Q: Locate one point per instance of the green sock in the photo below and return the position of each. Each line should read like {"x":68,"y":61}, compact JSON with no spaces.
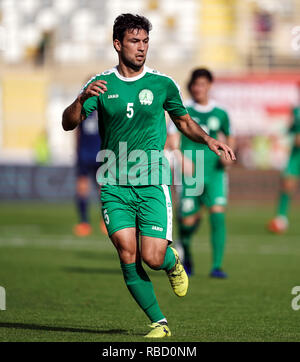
{"x":218,"y":237}
{"x":185,"y":234}
{"x":169,"y":260}
{"x":283,"y":204}
{"x":141,"y":288}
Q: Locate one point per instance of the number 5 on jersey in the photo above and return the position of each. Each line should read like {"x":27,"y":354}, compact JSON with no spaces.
{"x":129,"y":110}
{"x":106,"y":217}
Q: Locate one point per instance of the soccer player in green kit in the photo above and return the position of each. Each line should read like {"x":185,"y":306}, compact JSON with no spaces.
{"x":131,"y":100}
{"x":214,"y":120}
{"x":290,"y":177}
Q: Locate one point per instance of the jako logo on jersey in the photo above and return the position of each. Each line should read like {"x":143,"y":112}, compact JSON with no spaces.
{"x":112,"y":96}
{"x":146,"y":97}
{"x":157,"y":228}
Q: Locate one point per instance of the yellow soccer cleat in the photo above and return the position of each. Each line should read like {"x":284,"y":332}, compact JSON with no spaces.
{"x":160,"y":330}
{"x":178,"y":277}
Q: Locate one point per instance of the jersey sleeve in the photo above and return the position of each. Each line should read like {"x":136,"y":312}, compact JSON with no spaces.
{"x":226,"y":127}
{"x":91,"y":104}
{"x":173,"y":103}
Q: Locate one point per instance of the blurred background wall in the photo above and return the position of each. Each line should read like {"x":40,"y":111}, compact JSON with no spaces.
{"x":48,"y":48}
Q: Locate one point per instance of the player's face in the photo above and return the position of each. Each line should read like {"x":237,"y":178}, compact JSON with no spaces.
{"x":134,"y":47}
{"x":200,"y":89}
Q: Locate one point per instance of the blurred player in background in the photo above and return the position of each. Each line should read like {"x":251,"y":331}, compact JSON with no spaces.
{"x":131,"y":100}
{"x":215,"y":121}
{"x":289,"y":178}
{"x":88,"y":145}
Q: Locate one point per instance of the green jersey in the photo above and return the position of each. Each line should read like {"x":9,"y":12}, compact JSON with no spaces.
{"x":132,"y":126}
{"x":213,"y":120}
{"x":295,"y":127}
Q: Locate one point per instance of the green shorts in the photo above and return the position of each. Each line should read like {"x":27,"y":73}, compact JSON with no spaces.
{"x":293,"y":165}
{"x":147,"y":207}
{"x":214,"y":193}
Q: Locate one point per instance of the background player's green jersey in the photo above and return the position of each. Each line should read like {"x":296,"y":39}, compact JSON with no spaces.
{"x":133,"y":111}
{"x":213,"y":120}
{"x":293,"y":164}
{"x":295,"y":127}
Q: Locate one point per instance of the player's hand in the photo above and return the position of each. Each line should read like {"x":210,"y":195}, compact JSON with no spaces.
{"x":218,"y":146}
{"x":93,"y":89}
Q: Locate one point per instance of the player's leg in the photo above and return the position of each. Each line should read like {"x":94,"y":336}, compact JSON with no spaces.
{"x":120,"y":217}
{"x":216,"y":200}
{"x":187,"y":228}
{"x":155,"y":223}
{"x":159,"y":256}
{"x":135,"y":277}
{"x":288,"y":186}
{"x":218,"y":240}
{"x":280,"y":223}
{"x":83,"y":228}
{"x":188,"y":222}
{"x":93,"y":174}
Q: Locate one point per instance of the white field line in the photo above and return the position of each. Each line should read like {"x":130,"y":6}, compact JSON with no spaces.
{"x":55,"y":242}
{"x":234,"y":246}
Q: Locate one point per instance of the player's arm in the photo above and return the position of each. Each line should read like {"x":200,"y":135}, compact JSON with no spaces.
{"x":193,"y":131}
{"x":73,"y":114}
{"x":297,"y":140}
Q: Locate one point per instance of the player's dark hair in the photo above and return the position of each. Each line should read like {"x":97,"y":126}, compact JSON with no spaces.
{"x":129,"y":22}
{"x":197,"y":73}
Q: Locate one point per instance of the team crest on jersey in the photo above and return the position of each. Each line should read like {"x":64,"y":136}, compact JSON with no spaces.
{"x":213,"y":123}
{"x":146,"y":97}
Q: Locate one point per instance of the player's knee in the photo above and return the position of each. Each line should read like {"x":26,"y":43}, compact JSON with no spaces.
{"x":190,"y":220}
{"x":126,"y":253}
{"x":126,"y":256}
{"x":153,"y":261}
{"x":82,"y":186}
{"x":217,"y":208}
{"x":289,"y":185}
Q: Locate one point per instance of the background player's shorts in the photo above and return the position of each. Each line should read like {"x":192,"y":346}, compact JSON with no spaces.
{"x":86,"y":168}
{"x":214,"y":193}
{"x":148,"y":207}
{"x":293,"y":165}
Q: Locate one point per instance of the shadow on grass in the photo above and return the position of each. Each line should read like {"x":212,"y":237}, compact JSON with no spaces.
{"x":38,"y":327}
{"x":78,"y":269}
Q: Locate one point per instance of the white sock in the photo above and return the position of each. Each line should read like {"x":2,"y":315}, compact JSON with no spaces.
{"x":163,"y":320}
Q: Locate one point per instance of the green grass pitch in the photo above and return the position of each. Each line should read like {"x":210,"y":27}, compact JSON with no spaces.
{"x":63,"y":288}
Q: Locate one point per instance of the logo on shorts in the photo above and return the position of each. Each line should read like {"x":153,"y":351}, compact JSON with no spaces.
{"x":157,"y":228}
{"x":146,"y":97}
{"x":187,"y":205}
{"x":220,"y":200}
